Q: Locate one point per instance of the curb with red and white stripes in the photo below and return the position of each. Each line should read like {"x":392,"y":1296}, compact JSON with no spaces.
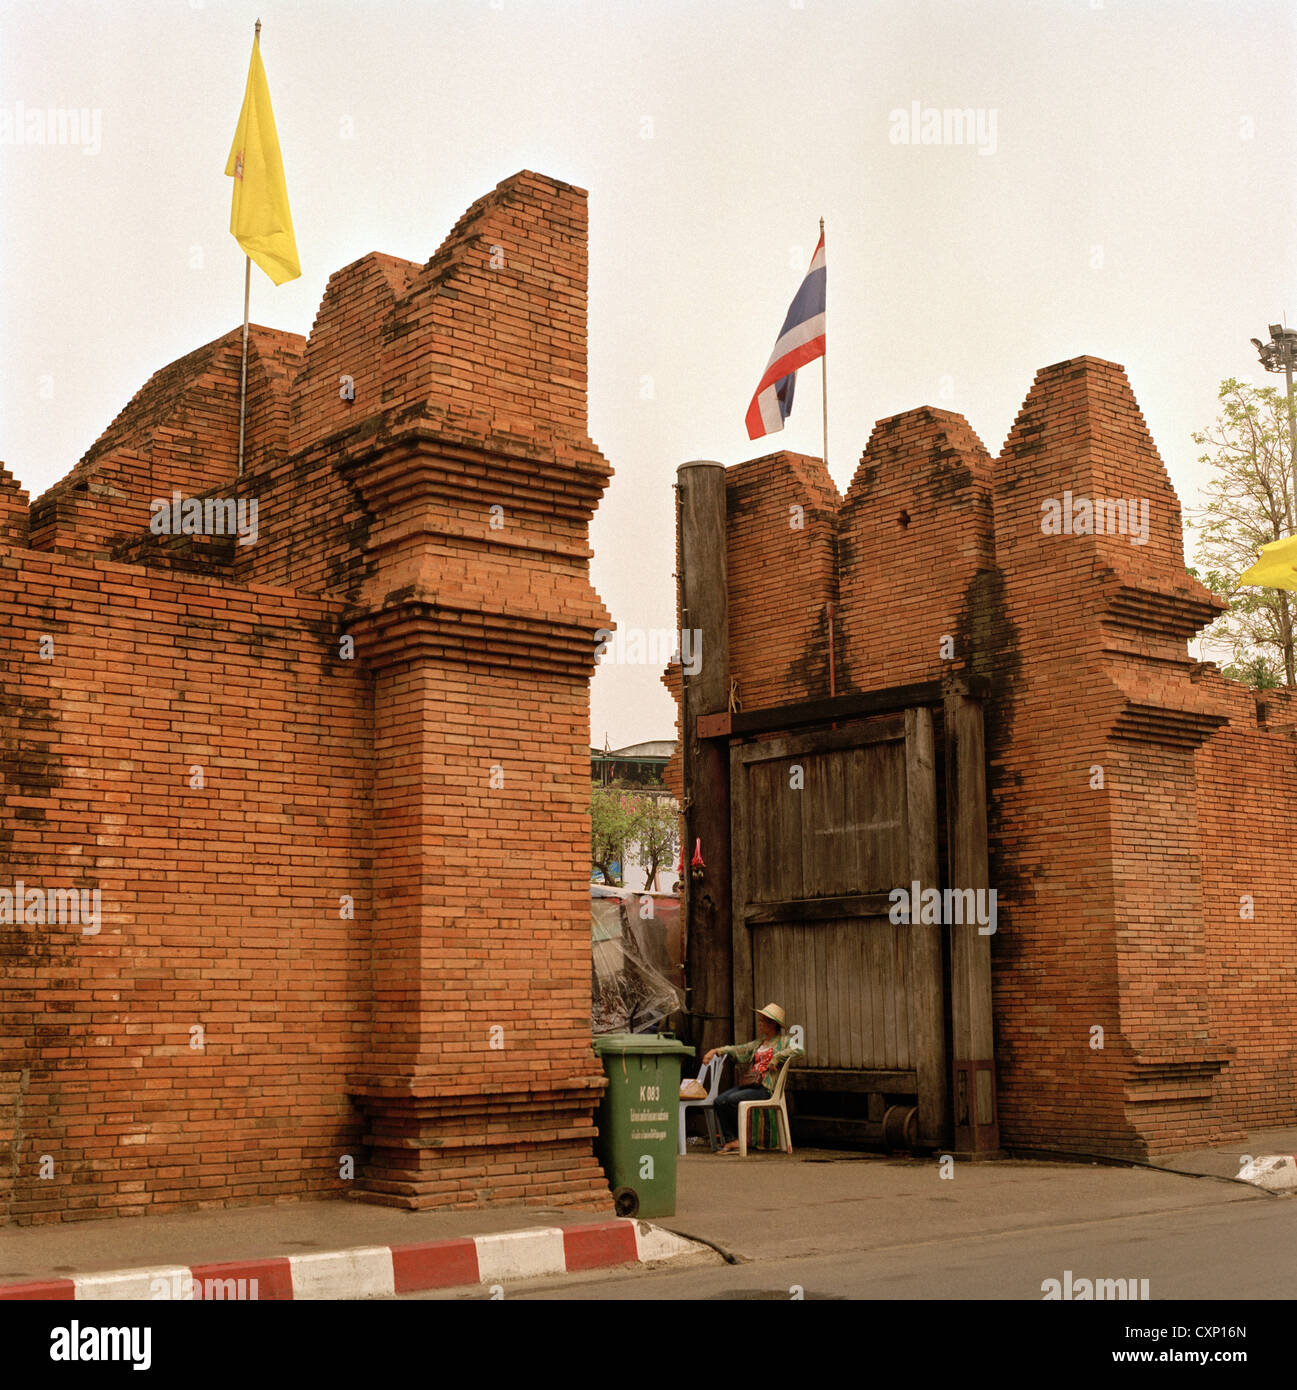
{"x":382,"y":1271}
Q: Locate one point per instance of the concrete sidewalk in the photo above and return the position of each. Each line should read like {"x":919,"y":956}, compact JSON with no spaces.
{"x":1226,"y":1160}
{"x":809,"y":1203}
{"x":813,"y":1201}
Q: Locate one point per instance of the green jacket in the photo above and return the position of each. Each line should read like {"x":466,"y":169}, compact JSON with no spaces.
{"x":743,"y":1053}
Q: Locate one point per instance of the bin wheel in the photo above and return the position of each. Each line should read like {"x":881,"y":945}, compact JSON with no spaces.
{"x":625,"y":1201}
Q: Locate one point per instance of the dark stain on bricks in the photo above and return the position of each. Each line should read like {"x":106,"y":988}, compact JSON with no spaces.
{"x":990,"y":641}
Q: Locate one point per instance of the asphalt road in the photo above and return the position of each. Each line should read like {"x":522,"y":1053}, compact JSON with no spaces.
{"x":1236,"y":1250}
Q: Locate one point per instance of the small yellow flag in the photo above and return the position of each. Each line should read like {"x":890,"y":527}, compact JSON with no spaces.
{"x":1276,"y":566}
{"x":259,"y":217}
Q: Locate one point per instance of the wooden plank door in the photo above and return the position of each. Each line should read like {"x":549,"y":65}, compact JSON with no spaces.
{"x":825,"y":824}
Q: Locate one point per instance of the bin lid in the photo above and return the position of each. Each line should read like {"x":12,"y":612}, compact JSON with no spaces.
{"x":654,"y":1043}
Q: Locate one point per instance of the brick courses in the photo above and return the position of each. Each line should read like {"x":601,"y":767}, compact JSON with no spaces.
{"x":1247,"y":807}
{"x":1119,"y":905}
{"x":327,"y":906}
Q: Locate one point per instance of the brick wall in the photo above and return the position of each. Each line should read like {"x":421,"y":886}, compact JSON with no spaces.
{"x":780,"y":525}
{"x":219,"y":901}
{"x":1124,"y":779}
{"x":386,"y":698}
{"x":180,"y":430}
{"x":914,"y":540}
{"x":1095,"y":845}
{"x":1247,"y":800}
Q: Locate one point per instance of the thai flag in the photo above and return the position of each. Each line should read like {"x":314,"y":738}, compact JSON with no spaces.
{"x":801,"y":340}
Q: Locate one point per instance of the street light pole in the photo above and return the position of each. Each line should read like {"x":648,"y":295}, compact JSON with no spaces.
{"x":1280,"y":355}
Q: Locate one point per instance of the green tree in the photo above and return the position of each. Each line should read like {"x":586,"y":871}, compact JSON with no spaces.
{"x":1260,"y":672}
{"x":1250,"y":503}
{"x":611,"y":823}
{"x":655,"y":833}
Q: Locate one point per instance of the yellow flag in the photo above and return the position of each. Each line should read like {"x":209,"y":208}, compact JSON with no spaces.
{"x":259,"y":217}
{"x":1276,"y":566}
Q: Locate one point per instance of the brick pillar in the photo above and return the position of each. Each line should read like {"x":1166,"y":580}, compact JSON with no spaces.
{"x":1105,"y":1040}
{"x":481,"y":1081}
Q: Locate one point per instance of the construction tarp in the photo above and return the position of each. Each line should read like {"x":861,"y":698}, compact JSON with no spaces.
{"x":637,"y":960}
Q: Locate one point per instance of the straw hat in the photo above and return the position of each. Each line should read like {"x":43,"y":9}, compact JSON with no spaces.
{"x":773,"y":1012}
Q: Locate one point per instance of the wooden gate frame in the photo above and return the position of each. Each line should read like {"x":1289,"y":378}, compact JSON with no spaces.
{"x":973,"y":1093}
{"x":925,"y":982}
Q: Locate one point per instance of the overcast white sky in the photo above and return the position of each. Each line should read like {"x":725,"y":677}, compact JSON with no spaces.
{"x":1138,"y":204}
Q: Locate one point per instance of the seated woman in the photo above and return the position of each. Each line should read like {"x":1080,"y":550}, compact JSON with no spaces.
{"x":756,"y":1063}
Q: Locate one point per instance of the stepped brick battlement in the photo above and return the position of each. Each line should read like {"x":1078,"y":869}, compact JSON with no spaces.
{"x":288,"y":761}
{"x":1138,"y":802}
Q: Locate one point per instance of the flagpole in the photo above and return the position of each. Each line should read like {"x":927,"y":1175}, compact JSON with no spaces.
{"x":247,"y":292}
{"x":243,"y":376}
{"x":824,"y":365}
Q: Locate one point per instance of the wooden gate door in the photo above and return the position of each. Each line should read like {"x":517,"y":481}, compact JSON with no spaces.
{"x":825,"y":824}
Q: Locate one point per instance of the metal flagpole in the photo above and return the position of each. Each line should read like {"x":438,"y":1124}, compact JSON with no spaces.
{"x":824,"y":361}
{"x":247,"y":290}
{"x":243,"y":377}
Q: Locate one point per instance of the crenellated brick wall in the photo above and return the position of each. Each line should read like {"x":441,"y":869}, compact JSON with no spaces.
{"x":914,"y":537}
{"x":293,"y":768}
{"x":1247,"y":800}
{"x":1135,"y":797}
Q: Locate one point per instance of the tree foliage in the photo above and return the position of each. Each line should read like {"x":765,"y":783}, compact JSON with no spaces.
{"x":622,"y":820}
{"x":1251,"y":502}
{"x":656,"y":834}
{"x":611,"y":819}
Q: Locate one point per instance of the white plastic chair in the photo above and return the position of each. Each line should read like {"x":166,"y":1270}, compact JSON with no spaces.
{"x":709,"y":1075}
{"x":776,"y":1103}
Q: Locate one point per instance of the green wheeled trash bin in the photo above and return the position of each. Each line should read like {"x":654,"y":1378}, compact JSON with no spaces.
{"x":637,"y":1120}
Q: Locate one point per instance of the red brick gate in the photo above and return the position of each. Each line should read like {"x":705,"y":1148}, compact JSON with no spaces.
{"x":1138,"y":806}
{"x":292,"y":768}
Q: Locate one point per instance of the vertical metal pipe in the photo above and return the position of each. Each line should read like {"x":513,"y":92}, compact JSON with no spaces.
{"x":243,"y":375}
{"x":824,"y":361}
